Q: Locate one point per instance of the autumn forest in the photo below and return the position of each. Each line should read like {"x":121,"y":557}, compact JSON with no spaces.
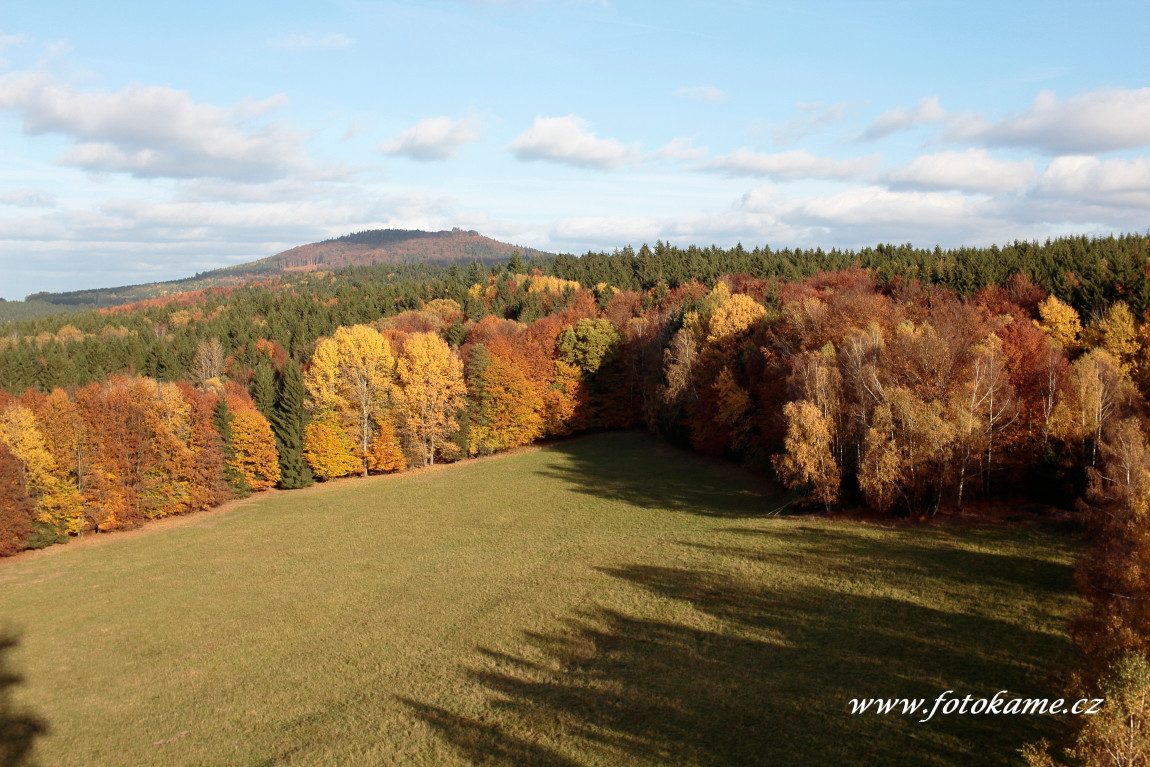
{"x":911,"y":383}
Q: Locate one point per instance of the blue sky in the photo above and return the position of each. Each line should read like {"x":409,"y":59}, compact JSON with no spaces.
{"x":149,"y":141}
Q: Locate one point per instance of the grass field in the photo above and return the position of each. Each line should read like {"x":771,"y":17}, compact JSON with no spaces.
{"x":602,"y":601}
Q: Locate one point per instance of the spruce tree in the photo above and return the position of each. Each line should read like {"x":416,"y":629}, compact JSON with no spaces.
{"x":515,"y":266}
{"x":263,"y":389}
{"x":288,"y":420}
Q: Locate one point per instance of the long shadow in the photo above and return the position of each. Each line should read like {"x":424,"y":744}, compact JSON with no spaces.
{"x":642,"y":471}
{"x":18,"y":730}
{"x":764,"y":676}
{"x":937,"y":554}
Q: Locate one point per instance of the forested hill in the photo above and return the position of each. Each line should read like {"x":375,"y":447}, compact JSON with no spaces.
{"x":367,"y":248}
{"x":390,"y":246}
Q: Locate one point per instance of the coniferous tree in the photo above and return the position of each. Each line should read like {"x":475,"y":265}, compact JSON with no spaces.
{"x":263,"y":389}
{"x":222,"y":420}
{"x":289,"y":419}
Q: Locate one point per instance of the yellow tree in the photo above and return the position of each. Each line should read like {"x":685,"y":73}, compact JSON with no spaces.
{"x":1119,"y":336}
{"x":1060,"y":322}
{"x":1093,"y":392}
{"x":808,"y":460}
{"x":880,"y":473}
{"x":57,"y":503}
{"x":328,"y":448}
{"x":351,"y":375}
{"x":734,"y":316}
{"x":66,"y":438}
{"x":385,"y":453}
{"x":254,"y":453}
{"x":429,"y":393}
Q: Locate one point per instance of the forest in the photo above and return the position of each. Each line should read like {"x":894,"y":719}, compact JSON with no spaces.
{"x":906,"y":381}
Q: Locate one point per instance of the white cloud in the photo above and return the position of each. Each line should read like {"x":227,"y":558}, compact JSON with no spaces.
{"x":680,"y":149}
{"x":928,"y":110}
{"x":763,"y":198}
{"x":7,"y":41}
{"x":150,"y":131}
{"x":875,"y":204}
{"x":810,"y":118}
{"x":566,"y":140}
{"x":1109,"y":182}
{"x":708,"y":94}
{"x":1096,"y":121}
{"x":28,"y":198}
{"x":299,"y":43}
{"x":792,"y":165}
{"x":435,"y":138}
{"x":972,"y":170}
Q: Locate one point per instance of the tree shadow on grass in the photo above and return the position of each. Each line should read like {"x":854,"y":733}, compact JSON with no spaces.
{"x":640,"y":470}
{"x":18,"y":730}
{"x":943,"y":555}
{"x":761,"y":675}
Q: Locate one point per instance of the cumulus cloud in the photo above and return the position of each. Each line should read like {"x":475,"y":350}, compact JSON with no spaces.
{"x":876,"y":204}
{"x":150,"y":131}
{"x":708,"y":94}
{"x":789,"y":166}
{"x":1096,"y":121}
{"x":436,"y":138}
{"x":1112,"y":182}
{"x":973,"y":170}
{"x":28,"y":198}
{"x":810,"y":118}
{"x":298,"y":43}
{"x":928,"y":110}
{"x":566,"y":140}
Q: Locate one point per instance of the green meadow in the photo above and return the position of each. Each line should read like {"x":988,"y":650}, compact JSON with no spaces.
{"x":602,"y":601}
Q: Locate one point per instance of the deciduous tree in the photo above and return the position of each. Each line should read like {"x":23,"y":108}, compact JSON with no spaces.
{"x":430,"y":391}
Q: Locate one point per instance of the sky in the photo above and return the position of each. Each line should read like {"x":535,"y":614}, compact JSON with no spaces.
{"x":150,"y":141}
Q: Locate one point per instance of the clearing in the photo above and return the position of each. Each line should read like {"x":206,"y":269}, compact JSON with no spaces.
{"x":608,"y":600}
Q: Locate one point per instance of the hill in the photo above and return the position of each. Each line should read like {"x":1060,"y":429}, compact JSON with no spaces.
{"x":389,"y":246}
{"x":608,"y":600}
{"x":367,"y":248}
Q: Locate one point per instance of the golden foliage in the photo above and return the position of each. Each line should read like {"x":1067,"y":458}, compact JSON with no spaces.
{"x":1059,"y":321}
{"x":350,"y":376}
{"x":385,"y":453}
{"x":254,"y":449}
{"x":57,"y":503}
{"x":429,"y":392}
{"x":328,"y":448}
{"x":808,"y":460}
{"x":735,"y":316}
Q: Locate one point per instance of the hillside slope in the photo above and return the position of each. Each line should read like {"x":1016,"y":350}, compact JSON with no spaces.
{"x":390,"y":246}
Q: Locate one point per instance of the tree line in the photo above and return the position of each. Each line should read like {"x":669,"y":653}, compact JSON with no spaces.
{"x":904,"y":397}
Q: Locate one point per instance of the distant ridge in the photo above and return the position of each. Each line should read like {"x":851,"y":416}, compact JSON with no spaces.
{"x":366,"y":248}
{"x":390,"y":246}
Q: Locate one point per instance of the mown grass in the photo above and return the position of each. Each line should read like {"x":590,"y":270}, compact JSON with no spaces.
{"x":602,"y":601}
